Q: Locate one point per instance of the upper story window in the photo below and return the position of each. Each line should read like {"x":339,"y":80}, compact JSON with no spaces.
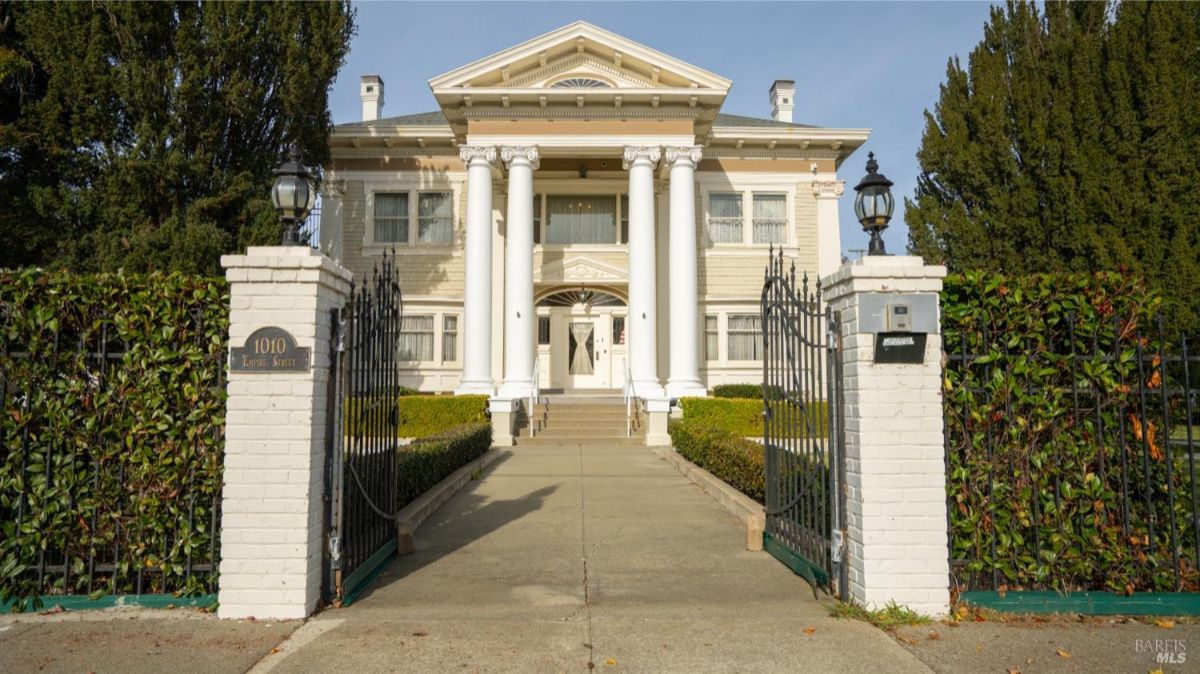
{"x":581,"y":219}
{"x":581,"y":83}
{"x":435,"y":217}
{"x":763,"y":221}
{"x":391,"y":217}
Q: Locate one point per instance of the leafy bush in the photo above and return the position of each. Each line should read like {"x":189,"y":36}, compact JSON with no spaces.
{"x":1058,"y":476}
{"x":428,"y":461}
{"x":745,"y":391}
{"x":425,"y":415}
{"x":112,"y":423}
{"x":744,"y":416}
{"x":727,"y":455}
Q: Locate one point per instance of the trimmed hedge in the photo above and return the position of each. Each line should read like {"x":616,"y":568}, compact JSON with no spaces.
{"x":730,"y":457}
{"x":422,"y":416}
{"x":116,"y":457}
{"x":428,"y":461}
{"x":745,"y":391}
{"x":740,"y":416}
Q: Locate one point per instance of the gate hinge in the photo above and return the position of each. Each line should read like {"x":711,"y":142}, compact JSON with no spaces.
{"x":335,"y":552}
{"x":836,"y":545}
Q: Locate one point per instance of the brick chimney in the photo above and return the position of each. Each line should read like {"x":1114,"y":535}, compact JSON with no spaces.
{"x":370,"y":90}
{"x":783,"y":98}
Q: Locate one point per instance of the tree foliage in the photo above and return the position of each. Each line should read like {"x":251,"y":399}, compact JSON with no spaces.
{"x":1070,"y":143}
{"x":143,"y":135}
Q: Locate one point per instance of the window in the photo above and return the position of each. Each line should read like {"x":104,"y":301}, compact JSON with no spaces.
{"x":770,"y":218}
{"x":435,"y":217}
{"x":624,"y":218}
{"x":618,"y":335}
{"x":543,"y":330}
{"x":416,"y":338}
{"x":581,"y":219}
{"x":537,"y":218}
{"x":745,"y":337}
{"x":449,"y":338}
{"x":710,"y":338}
{"x":391,"y":218}
{"x":725,"y":218}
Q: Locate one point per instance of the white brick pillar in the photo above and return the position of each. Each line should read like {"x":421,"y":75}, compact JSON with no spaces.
{"x":895,"y":467}
{"x":271,"y":512}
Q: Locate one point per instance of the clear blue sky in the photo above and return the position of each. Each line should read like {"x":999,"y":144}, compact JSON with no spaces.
{"x":872,"y":65}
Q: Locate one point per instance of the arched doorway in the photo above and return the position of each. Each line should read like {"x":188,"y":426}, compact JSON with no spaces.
{"x":581,"y":339}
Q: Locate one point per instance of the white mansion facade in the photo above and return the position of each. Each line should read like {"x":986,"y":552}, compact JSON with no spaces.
{"x":577,"y":210}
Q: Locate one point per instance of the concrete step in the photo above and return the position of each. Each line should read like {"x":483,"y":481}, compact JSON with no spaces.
{"x":542,"y":441}
{"x":606,"y":432}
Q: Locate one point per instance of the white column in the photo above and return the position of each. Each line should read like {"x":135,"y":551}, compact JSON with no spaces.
{"x":684,"y":379}
{"x":895,"y":457}
{"x":829,"y":233}
{"x":518,"y":277}
{"x":271,"y":502}
{"x":477,"y":302}
{"x":643,"y":335}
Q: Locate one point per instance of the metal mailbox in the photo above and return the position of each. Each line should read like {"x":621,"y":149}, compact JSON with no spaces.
{"x":901,"y":323}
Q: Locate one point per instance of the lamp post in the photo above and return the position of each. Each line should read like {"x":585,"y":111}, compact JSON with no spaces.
{"x":873,"y":205}
{"x":293,"y":195}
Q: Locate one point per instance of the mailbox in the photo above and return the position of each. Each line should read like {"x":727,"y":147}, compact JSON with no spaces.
{"x":901,"y":323}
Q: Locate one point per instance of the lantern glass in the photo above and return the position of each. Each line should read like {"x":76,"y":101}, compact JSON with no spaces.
{"x":873,"y":205}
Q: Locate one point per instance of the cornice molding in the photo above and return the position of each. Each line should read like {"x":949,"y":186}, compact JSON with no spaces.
{"x":390,"y":152}
{"x":529,"y":153}
{"x":586,"y":112}
{"x":691,"y":153}
{"x":633,"y":153}
{"x":469,"y":153}
{"x":733,"y":153}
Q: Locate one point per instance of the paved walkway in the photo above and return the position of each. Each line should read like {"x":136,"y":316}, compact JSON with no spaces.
{"x":568,"y":559}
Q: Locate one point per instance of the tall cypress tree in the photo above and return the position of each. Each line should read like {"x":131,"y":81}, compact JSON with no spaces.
{"x":148,"y":138}
{"x":1070,"y":142}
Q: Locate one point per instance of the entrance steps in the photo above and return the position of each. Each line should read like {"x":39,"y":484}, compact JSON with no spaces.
{"x":571,"y":420}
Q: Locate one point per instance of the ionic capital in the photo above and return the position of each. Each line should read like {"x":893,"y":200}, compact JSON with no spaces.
{"x":689,"y":153}
{"x":828,"y":189}
{"x":470,"y":153}
{"x":511,"y":153}
{"x":633,"y":153}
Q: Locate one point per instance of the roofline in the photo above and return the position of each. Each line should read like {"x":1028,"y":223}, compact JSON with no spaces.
{"x":583,"y":29}
{"x":807,"y":132}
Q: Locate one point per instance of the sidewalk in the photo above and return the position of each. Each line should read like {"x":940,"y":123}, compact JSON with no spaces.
{"x":567,"y":559}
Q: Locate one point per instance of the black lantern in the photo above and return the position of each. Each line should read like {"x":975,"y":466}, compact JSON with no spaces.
{"x":293,"y":196}
{"x":873,"y":205}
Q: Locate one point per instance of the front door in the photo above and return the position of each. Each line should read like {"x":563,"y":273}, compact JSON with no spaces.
{"x":587,"y":352}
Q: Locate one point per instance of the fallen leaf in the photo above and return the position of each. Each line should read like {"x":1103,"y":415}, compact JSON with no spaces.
{"x":1014,"y":670}
{"x":1165,"y":624}
{"x":420,"y":634}
{"x":610,"y":661}
{"x":1155,"y":671}
{"x":934,"y":636}
{"x":276,"y":649}
{"x":1062,"y":653}
{"x":809,"y":630}
{"x":910,"y":642}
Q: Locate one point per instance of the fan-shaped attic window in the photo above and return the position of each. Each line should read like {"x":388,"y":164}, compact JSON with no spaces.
{"x":581,"y":83}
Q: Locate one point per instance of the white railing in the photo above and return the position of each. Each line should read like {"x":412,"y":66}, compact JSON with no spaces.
{"x":629,"y":401}
{"x":535,"y":392}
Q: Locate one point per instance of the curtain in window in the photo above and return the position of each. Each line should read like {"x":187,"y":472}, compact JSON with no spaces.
{"x":581,"y":348}
{"x":745,"y":338}
{"x":435,"y":217}
{"x":770,"y":218}
{"x":725,"y":218}
{"x":416,"y":338}
{"x":581,"y":219}
{"x":391,"y":218}
{"x":710,"y":338}
{"x":449,"y":338}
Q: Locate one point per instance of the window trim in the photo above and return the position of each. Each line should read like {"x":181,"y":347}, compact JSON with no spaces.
{"x":414,"y":189}
{"x":747,"y":188}
{"x":739,"y":313}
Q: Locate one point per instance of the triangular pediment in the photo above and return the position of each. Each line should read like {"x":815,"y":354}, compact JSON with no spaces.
{"x":584,"y":50}
{"x":579,"y":269}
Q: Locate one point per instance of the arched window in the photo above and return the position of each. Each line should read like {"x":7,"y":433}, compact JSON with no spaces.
{"x":581,"y":83}
{"x":570,"y":298}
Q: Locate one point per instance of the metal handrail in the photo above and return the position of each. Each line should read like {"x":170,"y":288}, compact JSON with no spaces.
{"x":630,"y":395}
{"x":535,"y":391}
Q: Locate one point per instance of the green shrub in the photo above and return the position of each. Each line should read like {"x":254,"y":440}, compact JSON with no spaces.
{"x":428,"y":461}
{"x":133,"y":441}
{"x":744,"y":416}
{"x":729,"y":456}
{"x":425,"y":415}
{"x":745,"y":391}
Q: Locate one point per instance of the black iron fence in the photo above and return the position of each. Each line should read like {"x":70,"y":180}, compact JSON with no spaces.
{"x":111,"y":437}
{"x":1071,"y":456}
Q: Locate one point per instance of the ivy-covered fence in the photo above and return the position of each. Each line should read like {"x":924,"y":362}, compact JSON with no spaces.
{"x":112,"y":406}
{"x":1072,"y":426}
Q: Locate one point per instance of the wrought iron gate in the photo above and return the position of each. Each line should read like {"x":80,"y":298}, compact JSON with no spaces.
{"x":362,"y":432}
{"x":802,"y":429}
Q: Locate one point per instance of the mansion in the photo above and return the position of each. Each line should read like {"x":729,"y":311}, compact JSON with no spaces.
{"x":579,"y":213}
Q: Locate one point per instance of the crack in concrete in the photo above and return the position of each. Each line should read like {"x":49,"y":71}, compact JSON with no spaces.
{"x":587,"y":605}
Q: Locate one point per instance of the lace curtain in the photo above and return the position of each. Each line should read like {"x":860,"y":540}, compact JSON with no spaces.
{"x":745,"y":338}
{"x":581,"y":359}
{"x":391,"y":218}
{"x":770,"y":218}
{"x":725,"y":218}
{"x":416,"y":338}
{"x":581,"y":219}
{"x":435,"y":217}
